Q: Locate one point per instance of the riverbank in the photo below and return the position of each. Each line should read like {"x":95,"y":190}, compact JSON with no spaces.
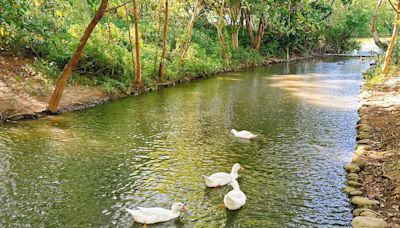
{"x":373,"y":182}
{"x":24,"y":92}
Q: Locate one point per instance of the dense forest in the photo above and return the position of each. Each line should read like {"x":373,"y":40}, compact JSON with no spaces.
{"x":141,"y":43}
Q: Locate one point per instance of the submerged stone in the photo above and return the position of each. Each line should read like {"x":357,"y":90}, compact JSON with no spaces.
{"x":368,"y":222}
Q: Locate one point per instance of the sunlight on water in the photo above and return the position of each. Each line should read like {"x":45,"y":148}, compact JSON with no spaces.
{"x":82,"y":169}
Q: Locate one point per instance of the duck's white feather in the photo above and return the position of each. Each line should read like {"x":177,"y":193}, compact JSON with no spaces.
{"x":244,"y":134}
{"x":222,"y":178}
{"x":152,"y":215}
{"x":218,"y":179}
{"x":235,"y":198}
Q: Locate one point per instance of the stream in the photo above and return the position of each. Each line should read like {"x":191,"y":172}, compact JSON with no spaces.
{"x":81,"y":169}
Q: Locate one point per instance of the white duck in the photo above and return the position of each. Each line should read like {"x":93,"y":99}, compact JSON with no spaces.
{"x":243,"y":134}
{"x":156,"y":214}
{"x":235,"y":199}
{"x":221,"y":178}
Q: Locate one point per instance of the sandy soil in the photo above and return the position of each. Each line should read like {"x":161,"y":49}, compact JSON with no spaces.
{"x":380,"y":111}
{"x":24,"y":92}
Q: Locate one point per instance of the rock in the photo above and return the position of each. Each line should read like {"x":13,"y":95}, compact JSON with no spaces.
{"x":369,"y":214}
{"x":362,"y":135}
{"x":353,"y":183}
{"x":356,"y":193}
{"x":359,"y":162}
{"x":349,"y":189}
{"x":352,"y":168}
{"x":352,"y":176}
{"x":363,"y":127}
{"x":363,"y":148}
{"x":363,"y":201}
{"x":365,"y":141}
{"x":397,"y":190}
{"x":358,"y":211}
{"x":360,"y":152}
{"x":368,"y":222}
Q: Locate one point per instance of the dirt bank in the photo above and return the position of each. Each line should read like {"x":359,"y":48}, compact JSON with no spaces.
{"x":24,"y":93}
{"x":378,"y":151}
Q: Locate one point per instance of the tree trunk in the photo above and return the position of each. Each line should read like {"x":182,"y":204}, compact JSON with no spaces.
{"x":222,"y":41}
{"x":185,"y":47}
{"x":62,"y":80}
{"x":261,"y":27}
{"x":289,"y":25}
{"x":161,"y":69}
{"x":383,"y":46}
{"x":220,"y":29}
{"x":386,"y":64}
{"x":138,"y":82}
{"x":159,"y":17}
{"x":235,"y":36}
{"x":235,"y":18}
{"x":130,"y":41}
{"x":249,"y":27}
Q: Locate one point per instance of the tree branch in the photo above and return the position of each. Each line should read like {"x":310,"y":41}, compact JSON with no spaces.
{"x":116,"y":7}
{"x":394,"y":8}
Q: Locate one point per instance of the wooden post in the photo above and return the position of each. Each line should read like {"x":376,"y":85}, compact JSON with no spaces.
{"x":62,"y":80}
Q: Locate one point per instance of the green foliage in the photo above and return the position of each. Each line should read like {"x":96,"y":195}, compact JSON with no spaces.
{"x":246,"y":57}
{"x":52,"y":30}
{"x":338,"y":34}
{"x":396,"y":53}
{"x":373,"y":76}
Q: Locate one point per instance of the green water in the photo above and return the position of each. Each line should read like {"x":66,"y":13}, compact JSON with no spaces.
{"x":82,"y":169}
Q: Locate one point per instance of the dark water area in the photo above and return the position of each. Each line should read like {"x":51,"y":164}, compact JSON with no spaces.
{"x":81,"y":169}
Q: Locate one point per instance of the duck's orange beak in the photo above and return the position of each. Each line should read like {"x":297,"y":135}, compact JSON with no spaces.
{"x":242,"y":168}
{"x":185,"y":208}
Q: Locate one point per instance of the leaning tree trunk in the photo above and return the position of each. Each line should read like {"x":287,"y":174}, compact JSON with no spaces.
{"x":249,"y":27}
{"x":186,"y":45}
{"x":386,"y":64}
{"x":261,"y":27}
{"x":62,"y":80}
{"x":138,"y":82}
{"x":383,"y":46}
{"x":161,"y":69}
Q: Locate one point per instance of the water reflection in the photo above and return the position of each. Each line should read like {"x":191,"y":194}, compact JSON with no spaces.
{"x":83,"y":168}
